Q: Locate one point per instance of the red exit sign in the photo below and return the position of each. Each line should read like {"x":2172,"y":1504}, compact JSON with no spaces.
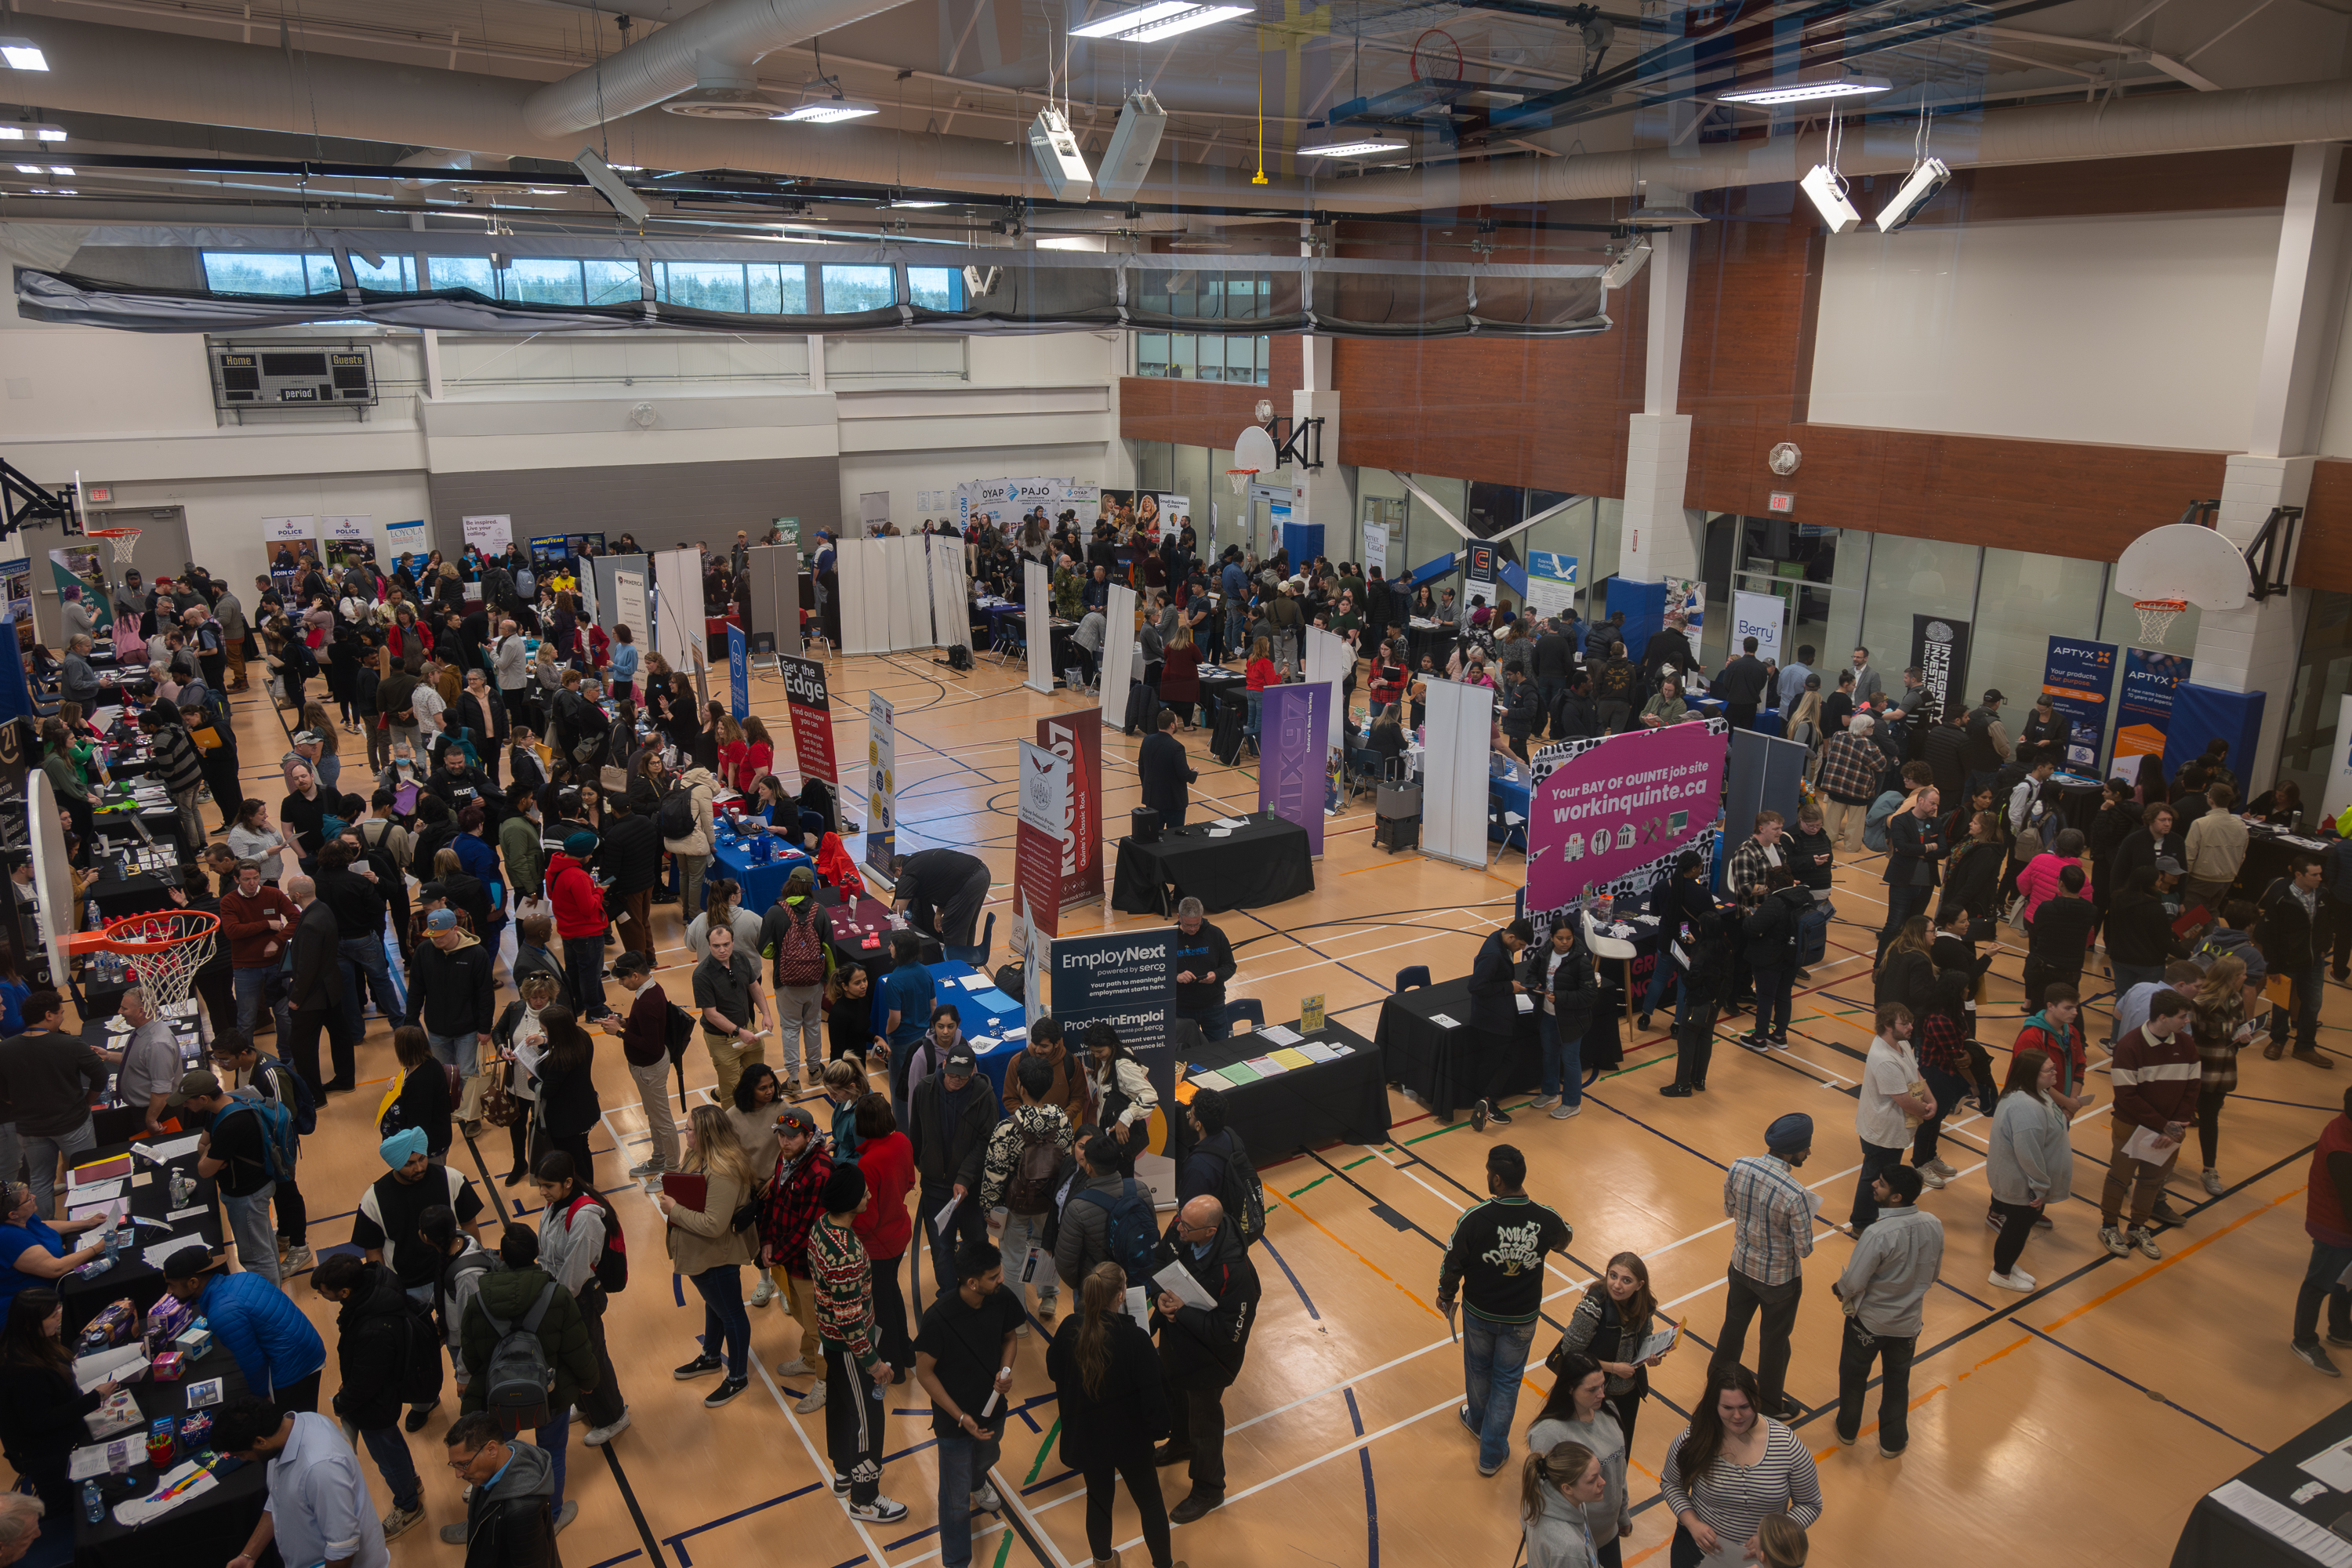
{"x":101,"y":492}
{"x":1783,"y":500}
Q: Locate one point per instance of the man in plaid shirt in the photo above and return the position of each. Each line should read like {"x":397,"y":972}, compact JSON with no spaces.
{"x":1745,"y":877}
{"x":1851,"y":765}
{"x":855,"y":1370}
{"x":1771,"y":1235}
{"x":795,"y":1203}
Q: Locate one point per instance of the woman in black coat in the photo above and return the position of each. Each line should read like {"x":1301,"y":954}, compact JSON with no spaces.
{"x":40,"y":1407}
{"x":2155,"y":838}
{"x":568,"y":1106}
{"x":1972,"y":880}
{"x":1114,"y":1407}
{"x":423,"y":1100}
{"x":2141,"y":941}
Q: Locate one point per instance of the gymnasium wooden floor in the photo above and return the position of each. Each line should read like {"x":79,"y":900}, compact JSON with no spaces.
{"x":2076,"y":1426}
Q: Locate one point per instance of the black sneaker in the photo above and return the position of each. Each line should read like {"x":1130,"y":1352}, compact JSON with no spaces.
{"x":1499,"y":1117}
{"x":1478,"y":1117}
{"x":418,"y":1417}
{"x":725,"y":1392}
{"x":1675,"y":1091}
{"x":700,"y":1366}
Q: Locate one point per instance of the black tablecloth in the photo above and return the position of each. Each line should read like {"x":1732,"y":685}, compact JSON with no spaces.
{"x":849,"y":946}
{"x":118,"y":895}
{"x":2267,"y":850}
{"x":1342,"y":1101}
{"x":2218,"y":1537}
{"x":1446,"y":1066}
{"x":132,"y":1277}
{"x":1265,"y":863}
{"x":2078,"y":800}
{"x":204,"y":1529}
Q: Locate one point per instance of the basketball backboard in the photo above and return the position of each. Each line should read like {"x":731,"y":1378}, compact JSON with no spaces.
{"x":2184,"y":560}
{"x":1254,"y":449}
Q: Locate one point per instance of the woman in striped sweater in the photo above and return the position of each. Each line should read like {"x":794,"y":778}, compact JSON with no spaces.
{"x":1731,"y":1469}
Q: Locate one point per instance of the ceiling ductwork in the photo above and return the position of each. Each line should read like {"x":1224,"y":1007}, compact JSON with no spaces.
{"x":710,"y":58}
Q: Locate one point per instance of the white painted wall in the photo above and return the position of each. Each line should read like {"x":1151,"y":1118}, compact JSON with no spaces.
{"x":2142,"y":332}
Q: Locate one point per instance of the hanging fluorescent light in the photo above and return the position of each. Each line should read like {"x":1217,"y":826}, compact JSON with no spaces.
{"x":59,"y":168}
{"x":1828,"y":193}
{"x":902,"y":202}
{"x":822,"y":104}
{"x":1059,"y":159}
{"x":1917,"y":191}
{"x":1621,"y":271}
{"x":1359,"y":148}
{"x":20,"y":132}
{"x":1809,"y":89}
{"x":22,"y":54}
{"x":30,"y":169}
{"x":1162,"y":19}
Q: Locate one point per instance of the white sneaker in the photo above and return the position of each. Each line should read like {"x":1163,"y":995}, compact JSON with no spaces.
{"x":1945,"y":1169}
{"x":571,"y":1511}
{"x":1541,"y":1100}
{"x":597,"y":1437}
{"x":2212,"y":1180}
{"x":796,"y":1367}
{"x":986,"y":1500}
{"x":1929,"y":1175}
{"x":1562,"y":1112}
{"x":1023,"y":1329}
{"x":763,"y":1292}
{"x":881,"y":1510}
{"x":300,"y":1257}
{"x":812,"y":1401}
{"x":2015,"y":1280}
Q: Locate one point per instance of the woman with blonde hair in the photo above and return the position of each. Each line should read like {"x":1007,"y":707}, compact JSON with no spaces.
{"x":2216,"y":1017}
{"x":1114,"y":1407}
{"x":705,"y":1247}
{"x":1556,"y":1488}
{"x":1781,"y":1543}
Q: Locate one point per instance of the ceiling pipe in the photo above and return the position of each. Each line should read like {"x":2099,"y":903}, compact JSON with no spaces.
{"x":715,"y":48}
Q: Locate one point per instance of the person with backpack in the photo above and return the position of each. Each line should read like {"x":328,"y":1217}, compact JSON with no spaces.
{"x":385,"y":1228}
{"x":1494,"y":1265}
{"x":800,"y":937}
{"x":276,"y":1349}
{"x":1217,"y":1153}
{"x":385,"y":1354}
{"x":529,"y":1359}
{"x":686,"y":822}
{"x":1027,"y":1163}
{"x":1202,"y":1349}
{"x":1107,"y":1217}
{"x":582,"y":1247}
{"x":234,"y":1053}
{"x":955,"y":1114}
{"x":464,"y":1261}
{"x":247,"y":1143}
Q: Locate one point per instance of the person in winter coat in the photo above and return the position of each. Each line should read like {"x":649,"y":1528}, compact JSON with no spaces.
{"x":1972,"y":877}
{"x":692,"y":849}
{"x":574,"y":1224}
{"x":503,"y":1300}
{"x":1771,"y":929}
{"x":1121,"y":1090}
{"x":794,"y":1202}
{"x":1202,"y":1349}
{"x":2140,"y":942}
{"x":1703,"y":974}
{"x":510,"y":1517}
{"x":885,"y":1228}
{"x":1850,"y":764}
{"x":2029,"y":1162}
{"x":1561,"y":1487}
{"x":710,"y":1253}
{"x":385,"y":1350}
{"x":1066,"y":1089}
{"x":451,"y":991}
{"x":1562,"y":974}
{"x":2217,"y":1019}
{"x":1114,"y":1405}
{"x":953,"y":1113}
{"x":2154,"y":839}
{"x":2295,"y":943}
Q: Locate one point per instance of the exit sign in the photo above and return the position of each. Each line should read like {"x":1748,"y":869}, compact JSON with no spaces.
{"x":1783,"y":500}
{"x":101,"y":492}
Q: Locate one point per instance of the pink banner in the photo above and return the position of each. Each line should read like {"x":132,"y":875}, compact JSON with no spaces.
{"x":1615,"y":808}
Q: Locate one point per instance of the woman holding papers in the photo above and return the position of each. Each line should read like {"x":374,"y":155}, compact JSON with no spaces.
{"x":704,"y":1245}
{"x":1122,"y":1090}
{"x":41,"y":1406}
{"x":1611,"y":1325}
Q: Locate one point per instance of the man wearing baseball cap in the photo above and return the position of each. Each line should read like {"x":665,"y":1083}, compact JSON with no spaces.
{"x":1771,"y":1235}
{"x":795,"y":1201}
{"x":276,"y":1348}
{"x":452,"y":993}
{"x":952,"y":1114}
{"x":233,"y":1153}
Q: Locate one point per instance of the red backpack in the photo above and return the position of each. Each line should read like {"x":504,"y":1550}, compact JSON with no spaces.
{"x":800,"y":950}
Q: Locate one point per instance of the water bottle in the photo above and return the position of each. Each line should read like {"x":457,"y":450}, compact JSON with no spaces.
{"x":93,"y":1506}
{"x":91,"y":919}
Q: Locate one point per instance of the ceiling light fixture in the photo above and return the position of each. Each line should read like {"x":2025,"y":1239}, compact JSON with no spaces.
{"x":1835,"y":85}
{"x":903,"y":201}
{"x":1826,"y":187}
{"x":30,"y":169}
{"x":1058,"y":158}
{"x":822,"y":103}
{"x":1134,"y":143}
{"x":17,"y":131}
{"x":1356,"y":149}
{"x":1919,"y":187}
{"x":1620,"y":272}
{"x":1163,"y":19}
{"x":59,"y":168}
{"x":612,"y":188}
{"x":22,"y":54}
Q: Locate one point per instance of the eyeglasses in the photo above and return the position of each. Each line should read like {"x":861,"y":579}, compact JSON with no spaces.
{"x":462,"y":1465}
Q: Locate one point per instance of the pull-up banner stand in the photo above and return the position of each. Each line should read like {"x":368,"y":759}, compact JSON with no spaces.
{"x":1038,"y":612}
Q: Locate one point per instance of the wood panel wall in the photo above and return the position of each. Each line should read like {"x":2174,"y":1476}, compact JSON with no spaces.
{"x":1206,"y":413}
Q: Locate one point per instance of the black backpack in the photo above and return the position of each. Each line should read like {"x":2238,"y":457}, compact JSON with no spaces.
{"x":959,"y":656}
{"x":674,"y":816}
{"x":1242,"y":1194}
{"x":519,"y":1379}
{"x":420,"y":1372}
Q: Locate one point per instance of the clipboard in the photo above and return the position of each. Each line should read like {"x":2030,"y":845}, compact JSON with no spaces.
{"x":687,"y":1189}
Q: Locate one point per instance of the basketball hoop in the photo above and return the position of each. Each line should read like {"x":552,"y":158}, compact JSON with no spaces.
{"x":1240,"y":479}
{"x":124,"y":540}
{"x":165,"y":949}
{"x":2155,"y":616}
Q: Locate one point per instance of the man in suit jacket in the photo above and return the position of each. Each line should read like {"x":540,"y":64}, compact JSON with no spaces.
{"x":1742,"y":683}
{"x":315,"y":991}
{"x":1914,"y":842}
{"x":1161,"y":763}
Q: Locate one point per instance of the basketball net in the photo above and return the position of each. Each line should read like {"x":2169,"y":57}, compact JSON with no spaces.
{"x":124,"y":540}
{"x":2155,"y":616}
{"x":165,"y":949}
{"x":1240,"y":478}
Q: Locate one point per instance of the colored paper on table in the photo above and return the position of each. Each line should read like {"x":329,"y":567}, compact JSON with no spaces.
{"x":1205,"y":1078}
{"x":1236,"y":1074}
{"x":1281,"y":1035}
{"x":98,"y":1171}
{"x":1266,"y":1067}
{"x":1293,"y":1057}
{"x":1317,"y":1051}
{"x":1310,"y":1016}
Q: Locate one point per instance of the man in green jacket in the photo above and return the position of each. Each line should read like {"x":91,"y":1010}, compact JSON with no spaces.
{"x":508,"y":1296}
{"x":519,"y":845}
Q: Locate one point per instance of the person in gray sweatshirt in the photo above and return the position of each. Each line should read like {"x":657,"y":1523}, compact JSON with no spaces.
{"x":1577,"y":1412}
{"x":509,"y":1523}
{"x":2030,"y":1162}
{"x":1557,"y":1486}
{"x":1893,"y":1263}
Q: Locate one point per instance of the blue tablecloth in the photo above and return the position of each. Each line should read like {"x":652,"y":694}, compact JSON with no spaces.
{"x":984,"y":1013}
{"x":763,"y":882}
{"x":1767,"y":720}
{"x":1502,"y":795}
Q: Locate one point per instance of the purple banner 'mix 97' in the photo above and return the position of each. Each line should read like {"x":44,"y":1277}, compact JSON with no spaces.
{"x":1619,"y":806}
{"x":1291,"y":730}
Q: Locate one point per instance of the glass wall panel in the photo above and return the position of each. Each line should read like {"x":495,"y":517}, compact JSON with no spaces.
{"x":848,"y":289}
{"x":778,"y":288}
{"x":253,"y":272}
{"x":611,"y":282}
{"x":2322,"y":677}
{"x":936,"y":287}
{"x":533,"y":281}
{"x":1608,"y":545}
{"x":2025,"y":600}
{"x":395,"y":275}
{"x":473,"y":272}
{"x":1908,"y":577}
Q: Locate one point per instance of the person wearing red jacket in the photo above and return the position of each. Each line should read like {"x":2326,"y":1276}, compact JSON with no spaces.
{"x":257,"y":921}
{"x":795,"y":1201}
{"x":579,"y":920}
{"x":2157,"y":1075}
{"x":887,"y":1157}
{"x":2328,"y":1220}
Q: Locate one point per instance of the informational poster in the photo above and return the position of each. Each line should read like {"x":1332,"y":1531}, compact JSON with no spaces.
{"x":1757,"y":616}
{"x":80,"y":567}
{"x":489,"y":534}
{"x":629,"y":608}
{"x":788,"y":530}
{"x":1175,"y":513}
{"x":881,"y":782}
{"x":1376,"y":546}
{"x":1939,"y":647}
{"x":2079,"y":680}
{"x":1076,"y":739}
{"x":1480,"y":571}
{"x":1128,"y":981}
{"x":1609,"y":808}
{"x":289,"y":529}
{"x":359,"y":525}
{"x":1083,"y":500}
{"x":17,"y":589}
{"x":739,"y":673}
{"x":1038,"y":837}
{"x":2144,"y":708}
{"x":403,"y":541}
{"x":1551,"y":583}
{"x":810,"y":704}
{"x":21,"y":930}
{"x":1292,"y":756}
{"x":1037,"y":619}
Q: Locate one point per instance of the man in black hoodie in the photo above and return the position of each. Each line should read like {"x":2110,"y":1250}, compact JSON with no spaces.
{"x":387,"y":1351}
{"x":1201,"y":1348}
{"x":954,"y":1110}
{"x":510,"y":1517}
{"x":1772,"y":929}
